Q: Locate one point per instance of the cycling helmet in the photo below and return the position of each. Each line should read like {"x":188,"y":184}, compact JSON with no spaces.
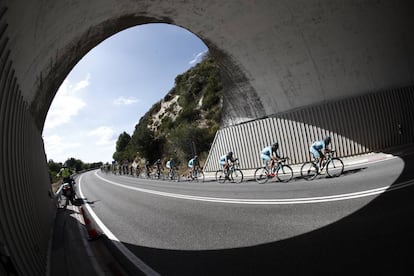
{"x":230,"y":154}
{"x":275,"y":146}
{"x":195,"y":156}
{"x":327,"y":140}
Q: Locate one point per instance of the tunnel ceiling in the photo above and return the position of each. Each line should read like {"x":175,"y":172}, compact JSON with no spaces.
{"x":275,"y":56}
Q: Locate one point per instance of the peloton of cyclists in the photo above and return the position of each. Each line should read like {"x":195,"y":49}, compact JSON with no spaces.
{"x":269,"y":154}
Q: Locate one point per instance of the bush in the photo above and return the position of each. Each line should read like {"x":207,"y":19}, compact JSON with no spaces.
{"x":210,"y":100}
{"x":166,"y":124}
{"x":188,"y":114}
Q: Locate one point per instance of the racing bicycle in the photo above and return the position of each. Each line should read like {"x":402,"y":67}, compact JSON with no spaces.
{"x":234,"y":174}
{"x":196,"y":175}
{"x":174,"y":175}
{"x":281,"y":171}
{"x":333,"y":166}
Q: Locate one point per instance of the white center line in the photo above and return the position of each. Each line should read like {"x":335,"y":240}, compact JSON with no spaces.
{"x":320,"y":199}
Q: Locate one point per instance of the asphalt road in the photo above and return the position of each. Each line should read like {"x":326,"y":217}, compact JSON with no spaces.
{"x":360,"y":221}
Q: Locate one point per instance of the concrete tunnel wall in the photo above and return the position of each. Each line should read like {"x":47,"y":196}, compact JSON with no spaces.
{"x":275,"y":57}
{"x":357,"y":125}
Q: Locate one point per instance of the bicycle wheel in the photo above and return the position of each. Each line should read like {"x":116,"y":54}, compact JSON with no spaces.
{"x":176,"y":176}
{"x":220,"y":176}
{"x":335,"y":167}
{"x":173,"y":176}
{"x":308,"y":171}
{"x":198,"y":176}
{"x":284,"y":173}
{"x":236,"y":176}
{"x":260,"y":175}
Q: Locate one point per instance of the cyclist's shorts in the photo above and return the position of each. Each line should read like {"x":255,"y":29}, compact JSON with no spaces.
{"x":265,"y":157}
{"x":315,"y":152}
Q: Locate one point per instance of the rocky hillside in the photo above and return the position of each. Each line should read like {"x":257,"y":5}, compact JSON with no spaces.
{"x":183,"y":123}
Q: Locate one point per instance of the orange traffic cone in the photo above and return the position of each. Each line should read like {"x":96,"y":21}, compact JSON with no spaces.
{"x":92,"y":233}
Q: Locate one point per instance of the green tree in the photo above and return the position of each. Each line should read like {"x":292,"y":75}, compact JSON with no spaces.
{"x":122,"y":141}
{"x":189,"y":138}
{"x":123,"y":150}
{"x":145,"y":142}
{"x":74,"y":164}
{"x":54,"y":168}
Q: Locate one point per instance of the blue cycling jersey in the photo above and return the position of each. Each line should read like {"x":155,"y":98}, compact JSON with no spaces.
{"x":319,"y":145}
{"x":267,"y":151}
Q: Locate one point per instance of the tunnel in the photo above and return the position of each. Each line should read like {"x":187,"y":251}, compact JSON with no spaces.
{"x":307,"y":68}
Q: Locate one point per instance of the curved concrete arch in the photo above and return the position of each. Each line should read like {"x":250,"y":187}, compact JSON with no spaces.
{"x":278,"y":58}
{"x":66,"y":43}
{"x":278,"y":55}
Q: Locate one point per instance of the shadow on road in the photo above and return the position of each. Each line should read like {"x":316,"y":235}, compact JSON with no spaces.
{"x":375,"y":240}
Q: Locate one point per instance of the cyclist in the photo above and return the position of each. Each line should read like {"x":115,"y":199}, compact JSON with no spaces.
{"x":224,"y":162}
{"x":318,"y":149}
{"x":157,"y":164}
{"x":192,"y":165}
{"x":269,"y":153}
{"x":147,"y":168}
{"x":135,"y":167}
{"x":124,"y":166}
{"x":66,"y":173}
{"x":170,"y":166}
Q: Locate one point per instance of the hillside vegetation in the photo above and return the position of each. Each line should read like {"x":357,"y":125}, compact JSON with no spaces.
{"x":180,"y":125}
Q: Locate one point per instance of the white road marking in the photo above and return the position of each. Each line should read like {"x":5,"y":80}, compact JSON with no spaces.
{"x":127,"y":253}
{"x":354,"y":163}
{"x":320,"y":199}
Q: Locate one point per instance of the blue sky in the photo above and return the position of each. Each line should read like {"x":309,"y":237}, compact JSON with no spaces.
{"x":113,"y":86}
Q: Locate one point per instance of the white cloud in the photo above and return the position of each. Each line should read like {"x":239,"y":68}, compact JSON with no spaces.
{"x":82,"y":84}
{"x":197,"y":58}
{"x":125,"y":101}
{"x":56,"y":147}
{"x":66,"y":104}
{"x":105,"y":135}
